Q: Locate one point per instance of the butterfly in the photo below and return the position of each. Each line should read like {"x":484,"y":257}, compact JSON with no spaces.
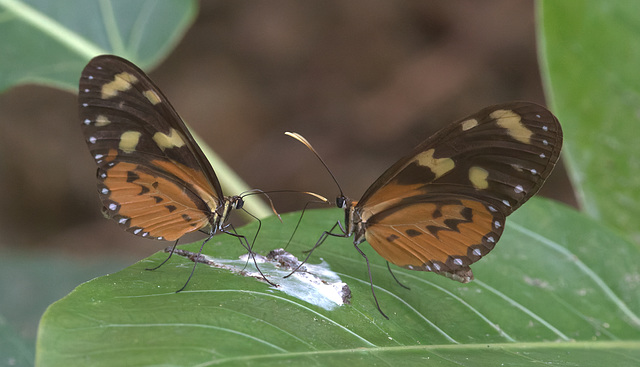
{"x":153,"y":178}
{"x":443,"y":206}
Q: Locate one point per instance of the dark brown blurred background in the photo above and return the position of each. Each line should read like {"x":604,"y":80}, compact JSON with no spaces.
{"x":363,"y":80}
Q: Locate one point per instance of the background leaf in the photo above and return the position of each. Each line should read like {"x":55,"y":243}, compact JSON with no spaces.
{"x":14,"y":351}
{"x":589,"y":53}
{"x":49,"y":42}
{"x":534,"y":294}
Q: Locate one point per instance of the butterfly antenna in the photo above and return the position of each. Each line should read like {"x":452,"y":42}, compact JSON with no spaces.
{"x":304,"y":141}
{"x":258,"y":191}
{"x":266,"y":193}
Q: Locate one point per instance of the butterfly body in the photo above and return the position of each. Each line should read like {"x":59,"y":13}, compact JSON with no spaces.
{"x":153,"y":179}
{"x":443,"y":206}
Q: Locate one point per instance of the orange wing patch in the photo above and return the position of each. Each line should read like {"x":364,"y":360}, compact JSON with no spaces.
{"x":196,"y":180}
{"x":436,"y":237}
{"x":149,"y":206}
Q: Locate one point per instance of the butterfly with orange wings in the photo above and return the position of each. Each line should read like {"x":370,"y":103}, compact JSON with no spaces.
{"x":153,"y":179}
{"x":443,"y":206}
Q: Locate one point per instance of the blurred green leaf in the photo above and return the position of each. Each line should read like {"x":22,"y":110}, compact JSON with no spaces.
{"x":28,"y":287}
{"x":49,"y":42}
{"x":14,"y":351}
{"x":590,"y":51}
{"x":558,"y":287}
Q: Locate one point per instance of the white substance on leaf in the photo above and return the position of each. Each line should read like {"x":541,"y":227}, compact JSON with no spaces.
{"x":315,"y":284}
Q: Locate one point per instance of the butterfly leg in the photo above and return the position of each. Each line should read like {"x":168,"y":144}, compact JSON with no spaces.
{"x":245,"y":243}
{"x":322,"y":238}
{"x":168,"y":257}
{"x":250,"y":249}
{"x":396,"y":279}
{"x":371,"y":281}
{"x":195,"y":262}
{"x":299,"y":221}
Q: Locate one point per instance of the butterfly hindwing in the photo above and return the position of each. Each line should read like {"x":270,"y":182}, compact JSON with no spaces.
{"x":443,"y":206}
{"x":152,"y":176}
{"x":444,"y":236}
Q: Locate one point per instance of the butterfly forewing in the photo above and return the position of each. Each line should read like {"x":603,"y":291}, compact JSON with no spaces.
{"x":443,"y":206}
{"x":153,"y":178}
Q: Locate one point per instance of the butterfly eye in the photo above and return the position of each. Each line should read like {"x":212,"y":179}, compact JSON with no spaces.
{"x":341,"y":202}
{"x":238,"y":204}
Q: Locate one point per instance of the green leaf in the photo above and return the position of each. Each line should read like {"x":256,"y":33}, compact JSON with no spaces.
{"x":589,"y":57}
{"x":49,"y":42}
{"x":558,"y":287}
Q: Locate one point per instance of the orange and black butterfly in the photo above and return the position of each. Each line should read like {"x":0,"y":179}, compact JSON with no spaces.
{"x":443,"y":206}
{"x":153,"y":179}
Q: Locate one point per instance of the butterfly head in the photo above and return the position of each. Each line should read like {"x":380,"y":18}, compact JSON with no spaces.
{"x":352,"y":218}
{"x":236,"y":202}
{"x":221,"y":213}
{"x":345,"y":203}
